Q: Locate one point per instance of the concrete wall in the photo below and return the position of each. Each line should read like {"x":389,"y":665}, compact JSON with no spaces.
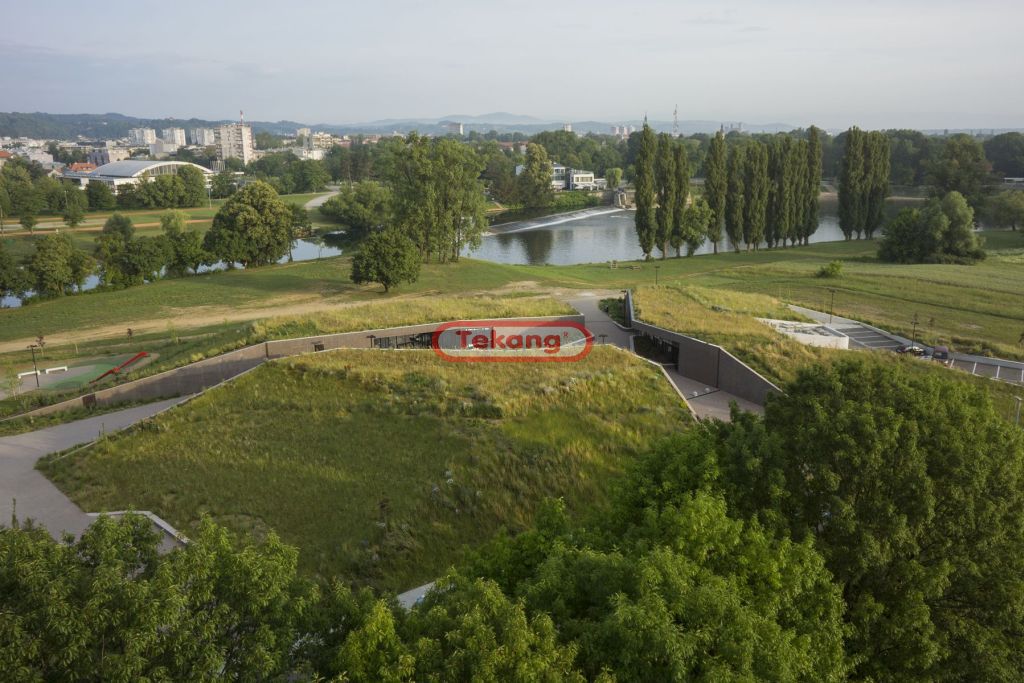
{"x":204,"y":374}
{"x":712,"y":365}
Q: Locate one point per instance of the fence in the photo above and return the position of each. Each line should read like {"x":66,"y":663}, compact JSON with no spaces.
{"x":204,"y":374}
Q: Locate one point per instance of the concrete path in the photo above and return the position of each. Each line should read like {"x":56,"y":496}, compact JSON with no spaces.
{"x":317,"y":202}
{"x":410,"y":598}
{"x":26,"y":489}
{"x":598,"y":322}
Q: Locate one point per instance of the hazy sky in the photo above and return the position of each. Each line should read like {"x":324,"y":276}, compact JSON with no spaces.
{"x":913,"y":63}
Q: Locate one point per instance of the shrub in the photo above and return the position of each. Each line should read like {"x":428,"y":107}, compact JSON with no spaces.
{"x":831,"y":269}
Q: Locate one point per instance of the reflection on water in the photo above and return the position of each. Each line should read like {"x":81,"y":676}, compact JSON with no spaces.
{"x":591,"y":236}
{"x":304,"y":250}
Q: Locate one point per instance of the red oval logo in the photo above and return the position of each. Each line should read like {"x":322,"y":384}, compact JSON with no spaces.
{"x":512,"y":341}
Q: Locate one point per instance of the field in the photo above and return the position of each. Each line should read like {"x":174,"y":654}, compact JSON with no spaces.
{"x":381,"y":465}
{"x":974,"y":307}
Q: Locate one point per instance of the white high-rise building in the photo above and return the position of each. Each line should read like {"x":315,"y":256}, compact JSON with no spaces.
{"x":203,"y":136}
{"x":302,"y":133}
{"x":142,"y":136}
{"x":234,"y":141}
{"x":174,"y":136}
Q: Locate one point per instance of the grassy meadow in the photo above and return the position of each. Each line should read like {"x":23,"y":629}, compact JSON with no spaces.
{"x":728,"y":318}
{"x":974,"y":308}
{"x":381,"y":465}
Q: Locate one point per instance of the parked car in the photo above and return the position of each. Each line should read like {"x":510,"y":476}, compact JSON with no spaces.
{"x":915,"y":351}
{"x":942,"y":355}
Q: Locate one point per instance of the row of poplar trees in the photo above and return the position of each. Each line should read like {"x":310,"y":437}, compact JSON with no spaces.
{"x":863,"y":182}
{"x":756,"y":193}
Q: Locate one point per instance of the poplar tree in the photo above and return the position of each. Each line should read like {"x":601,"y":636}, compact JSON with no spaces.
{"x":876,"y":180}
{"x":852,"y":184}
{"x":813,"y":183}
{"x":645,"y":190}
{"x":783,"y":186}
{"x":715,"y":185}
{"x":773,"y":222}
{"x":797,"y":165}
{"x":756,"y":196}
{"x":679,"y":234}
{"x":665,"y":183}
{"x":734,"y":198}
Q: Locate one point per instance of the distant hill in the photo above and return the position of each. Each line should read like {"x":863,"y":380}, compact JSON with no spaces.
{"x":109,"y":126}
{"x":112,"y":125}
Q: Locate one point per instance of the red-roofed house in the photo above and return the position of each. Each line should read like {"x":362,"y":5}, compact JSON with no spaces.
{"x":82,"y":167}
{"x":4,"y":156}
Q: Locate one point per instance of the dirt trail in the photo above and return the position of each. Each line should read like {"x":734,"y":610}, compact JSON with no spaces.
{"x":184,"y":319}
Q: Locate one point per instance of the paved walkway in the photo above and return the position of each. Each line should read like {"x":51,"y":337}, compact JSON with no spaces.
{"x":23,"y":487}
{"x":706,"y":402}
{"x":317,"y":202}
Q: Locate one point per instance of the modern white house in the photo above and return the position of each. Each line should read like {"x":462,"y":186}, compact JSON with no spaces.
{"x":119,"y":173}
{"x":563,"y":178}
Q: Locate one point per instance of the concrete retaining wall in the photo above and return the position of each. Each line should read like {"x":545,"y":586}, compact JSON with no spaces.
{"x":195,"y":377}
{"x":707,"y":363}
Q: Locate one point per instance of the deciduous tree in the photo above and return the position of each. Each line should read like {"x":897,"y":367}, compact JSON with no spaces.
{"x":735,"y":198}
{"x":100,"y":196}
{"x":534,"y":181}
{"x":756,"y":187}
{"x":251,"y":228}
{"x":665,"y":189}
{"x":362,"y":207}
{"x":646,"y":229}
{"x":387,"y":257}
{"x":716,"y":181}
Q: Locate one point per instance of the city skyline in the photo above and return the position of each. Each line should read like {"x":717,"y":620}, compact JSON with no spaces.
{"x":919,"y":65}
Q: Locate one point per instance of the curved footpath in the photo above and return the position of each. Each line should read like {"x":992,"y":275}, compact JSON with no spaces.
{"x":26,"y":492}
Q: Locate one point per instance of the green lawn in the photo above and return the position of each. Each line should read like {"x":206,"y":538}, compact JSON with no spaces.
{"x":728,"y":318}
{"x":381,"y":465}
{"x":974,"y":307}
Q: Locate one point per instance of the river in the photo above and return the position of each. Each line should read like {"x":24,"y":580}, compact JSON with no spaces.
{"x":594,"y":235}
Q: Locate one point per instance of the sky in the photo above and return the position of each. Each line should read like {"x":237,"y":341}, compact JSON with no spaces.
{"x":899,"y":63}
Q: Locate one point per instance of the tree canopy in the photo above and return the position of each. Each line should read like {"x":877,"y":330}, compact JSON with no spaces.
{"x":251,"y":228}
{"x":387,"y":257}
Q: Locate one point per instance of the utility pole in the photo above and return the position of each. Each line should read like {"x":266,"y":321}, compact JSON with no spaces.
{"x":832,"y":305}
{"x":914,"y":340}
{"x":34,"y":366}
{"x":656,"y":268}
{"x":1019,"y":400}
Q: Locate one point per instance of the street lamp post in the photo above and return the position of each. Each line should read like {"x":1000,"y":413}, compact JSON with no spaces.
{"x":832,"y":305}
{"x":34,"y":366}
{"x":1019,"y":400}
{"x":656,"y":268}
{"x":914,"y":340}
{"x":371,"y":337}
